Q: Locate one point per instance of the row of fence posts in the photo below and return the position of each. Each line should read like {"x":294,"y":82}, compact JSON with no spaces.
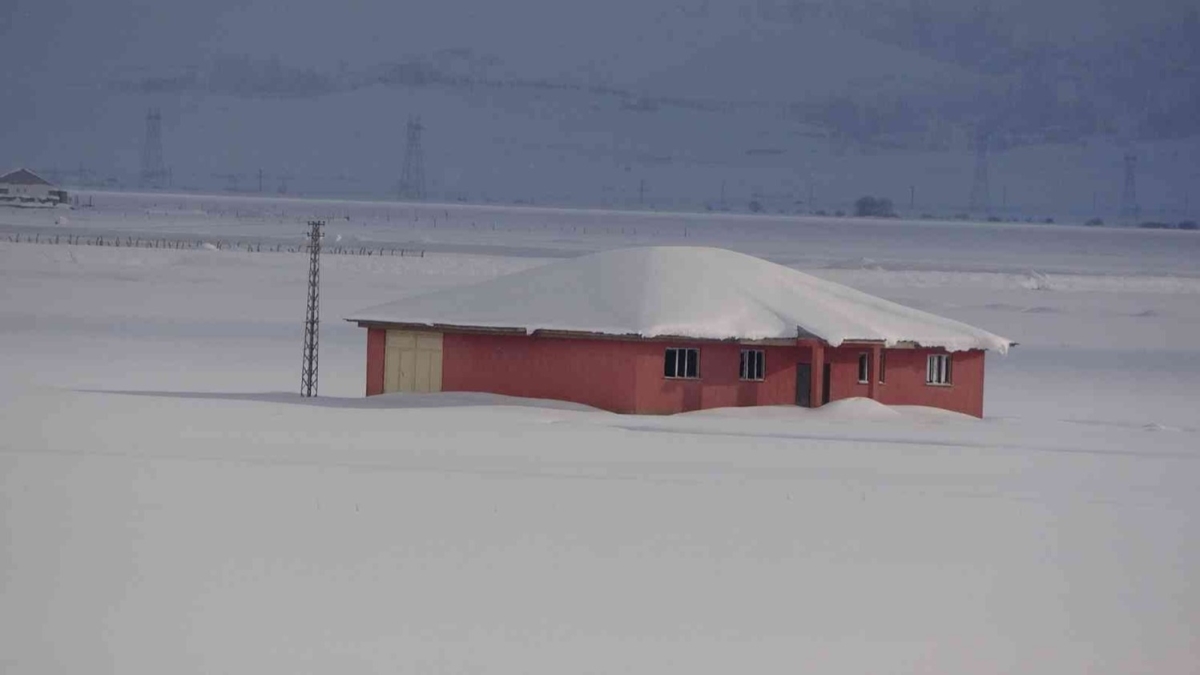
{"x":181,"y":244}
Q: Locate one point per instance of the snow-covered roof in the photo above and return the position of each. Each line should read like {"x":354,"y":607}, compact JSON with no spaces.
{"x":679,"y":291}
{"x":23,"y":177}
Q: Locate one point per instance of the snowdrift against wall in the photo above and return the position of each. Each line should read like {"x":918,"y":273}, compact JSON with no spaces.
{"x":679,"y":291}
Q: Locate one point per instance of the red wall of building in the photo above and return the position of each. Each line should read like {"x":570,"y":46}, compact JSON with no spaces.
{"x":627,"y":376}
{"x":904,"y":381}
{"x":599,"y":373}
{"x":904,"y":378}
{"x":376,"y":346}
{"x":622,"y":376}
{"x":843,"y":376}
{"x":719,"y":385}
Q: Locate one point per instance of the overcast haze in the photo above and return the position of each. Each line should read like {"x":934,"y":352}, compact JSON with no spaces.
{"x":797,"y":105}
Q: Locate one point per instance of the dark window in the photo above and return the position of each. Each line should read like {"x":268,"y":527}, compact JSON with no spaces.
{"x":752,"y":364}
{"x":864,"y":368}
{"x":682,"y":363}
{"x":937,"y":369}
{"x":882,"y":366}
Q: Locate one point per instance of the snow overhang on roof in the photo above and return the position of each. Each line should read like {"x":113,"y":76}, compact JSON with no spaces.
{"x":678,"y":291}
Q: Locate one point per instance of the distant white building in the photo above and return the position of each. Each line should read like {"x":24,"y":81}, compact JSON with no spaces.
{"x":25,"y":188}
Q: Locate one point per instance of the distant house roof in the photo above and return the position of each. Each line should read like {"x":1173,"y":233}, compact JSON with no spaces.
{"x":23,"y":177}
{"x":675,"y":291}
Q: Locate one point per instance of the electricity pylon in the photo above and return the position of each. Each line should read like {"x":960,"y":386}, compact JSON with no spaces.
{"x":412,"y":178}
{"x":154,"y":170}
{"x":312,"y":316}
{"x":981,"y":190}
{"x":1130,"y":210}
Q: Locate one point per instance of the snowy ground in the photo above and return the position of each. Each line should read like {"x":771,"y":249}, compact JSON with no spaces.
{"x":168,"y":505}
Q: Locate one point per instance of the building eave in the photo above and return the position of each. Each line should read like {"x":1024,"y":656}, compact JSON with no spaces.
{"x":802,"y":336}
{"x":566,"y":334}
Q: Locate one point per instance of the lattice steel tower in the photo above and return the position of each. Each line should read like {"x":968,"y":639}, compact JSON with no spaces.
{"x":312,"y":316}
{"x":980,"y":189}
{"x":1130,"y":210}
{"x":412,"y":179}
{"x":154,"y":170}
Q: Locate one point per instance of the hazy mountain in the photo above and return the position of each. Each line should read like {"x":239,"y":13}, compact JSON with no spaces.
{"x":579,"y":102}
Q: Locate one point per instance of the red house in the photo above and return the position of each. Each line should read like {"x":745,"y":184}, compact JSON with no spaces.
{"x":661,"y":330}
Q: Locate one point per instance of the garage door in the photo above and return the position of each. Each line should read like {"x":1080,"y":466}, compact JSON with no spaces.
{"x":412,"y":361}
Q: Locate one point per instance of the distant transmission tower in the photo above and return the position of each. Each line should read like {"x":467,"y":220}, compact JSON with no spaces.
{"x":980,"y":188}
{"x":1129,"y":203}
{"x":154,"y":171}
{"x":312,"y":316}
{"x":412,"y":179}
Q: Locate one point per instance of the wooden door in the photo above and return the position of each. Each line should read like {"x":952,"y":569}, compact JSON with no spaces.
{"x":412,"y":362}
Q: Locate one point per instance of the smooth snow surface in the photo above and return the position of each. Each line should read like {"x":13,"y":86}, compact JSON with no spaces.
{"x":682,"y":291}
{"x":169,"y":504}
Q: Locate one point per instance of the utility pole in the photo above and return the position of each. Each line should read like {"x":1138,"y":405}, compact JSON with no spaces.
{"x":312,"y":318}
{"x":912,"y":197}
{"x":260,"y":181}
{"x":642,"y":192}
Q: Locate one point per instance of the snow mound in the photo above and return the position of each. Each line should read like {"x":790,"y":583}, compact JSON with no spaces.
{"x":924,"y":413}
{"x":680,"y":291}
{"x":857,"y":408}
{"x":751,"y":412}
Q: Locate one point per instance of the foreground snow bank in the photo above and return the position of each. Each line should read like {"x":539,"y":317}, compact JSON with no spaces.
{"x":846,"y":409}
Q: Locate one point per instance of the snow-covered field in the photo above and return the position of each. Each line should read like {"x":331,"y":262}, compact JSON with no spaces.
{"x":169,"y":505}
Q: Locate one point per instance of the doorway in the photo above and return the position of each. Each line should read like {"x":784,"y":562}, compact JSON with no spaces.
{"x":412,"y":362}
{"x":804,"y":384}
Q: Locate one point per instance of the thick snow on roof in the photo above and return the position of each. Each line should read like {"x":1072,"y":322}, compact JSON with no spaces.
{"x":681,"y":291}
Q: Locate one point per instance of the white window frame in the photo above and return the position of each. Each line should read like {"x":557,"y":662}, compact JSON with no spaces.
{"x":864,"y":368}
{"x":680,"y":356}
{"x":752,"y":365}
{"x":938,"y":371}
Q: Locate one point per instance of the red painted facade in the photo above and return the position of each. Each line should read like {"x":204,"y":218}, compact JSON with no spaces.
{"x":626,"y":375}
{"x":904,"y":381}
{"x":376,"y":343}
